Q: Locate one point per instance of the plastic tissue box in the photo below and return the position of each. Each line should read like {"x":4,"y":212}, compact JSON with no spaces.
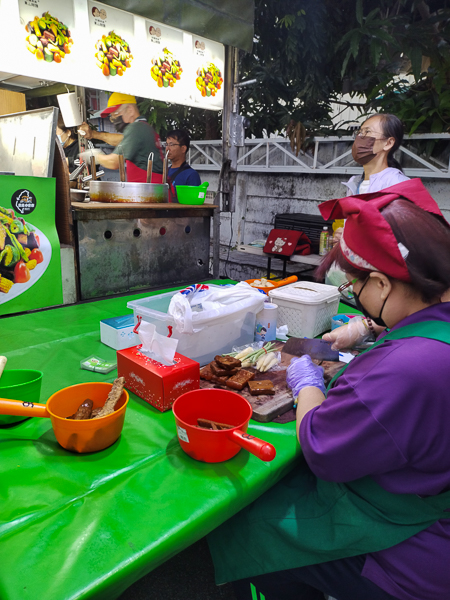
{"x":117,"y":332}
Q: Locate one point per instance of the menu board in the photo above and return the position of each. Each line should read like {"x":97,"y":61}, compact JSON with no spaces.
{"x":47,"y":36}
{"x":30,"y":262}
{"x":165,"y":62}
{"x":208,"y":66}
{"x":90,"y":44}
{"x":112,"y":37}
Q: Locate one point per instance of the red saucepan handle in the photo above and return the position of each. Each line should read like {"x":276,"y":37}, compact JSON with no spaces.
{"x":259,"y":448}
{"x":22,"y":409}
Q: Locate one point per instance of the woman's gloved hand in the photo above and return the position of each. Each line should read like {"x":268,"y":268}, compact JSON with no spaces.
{"x":349,"y":335}
{"x":302,"y":372}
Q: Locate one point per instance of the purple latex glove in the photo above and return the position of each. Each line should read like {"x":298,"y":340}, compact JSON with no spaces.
{"x":301,"y":373}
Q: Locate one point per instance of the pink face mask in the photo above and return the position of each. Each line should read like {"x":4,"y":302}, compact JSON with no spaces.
{"x":362,"y":149}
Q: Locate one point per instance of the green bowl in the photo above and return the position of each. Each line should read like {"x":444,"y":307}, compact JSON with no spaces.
{"x":192,"y":194}
{"x":20,"y":384}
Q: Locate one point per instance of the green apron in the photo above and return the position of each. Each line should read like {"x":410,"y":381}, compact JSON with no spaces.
{"x":304,"y":520}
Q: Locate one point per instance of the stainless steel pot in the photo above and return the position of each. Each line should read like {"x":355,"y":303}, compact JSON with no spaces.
{"x":122,"y":191}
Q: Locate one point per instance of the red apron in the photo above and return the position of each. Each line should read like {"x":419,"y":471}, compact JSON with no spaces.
{"x":137,"y":175}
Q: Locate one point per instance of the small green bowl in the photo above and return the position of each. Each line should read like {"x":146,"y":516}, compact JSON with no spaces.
{"x":192,"y":194}
{"x":20,"y":384}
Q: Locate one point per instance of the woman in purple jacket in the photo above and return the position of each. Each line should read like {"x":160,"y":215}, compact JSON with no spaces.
{"x":365,"y":517}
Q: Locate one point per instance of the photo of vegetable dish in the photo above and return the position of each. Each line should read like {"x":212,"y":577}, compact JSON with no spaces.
{"x":209,"y":80}
{"x":166,"y":70}
{"x":19,"y":250}
{"x":113,"y":54}
{"x":48,"y":38}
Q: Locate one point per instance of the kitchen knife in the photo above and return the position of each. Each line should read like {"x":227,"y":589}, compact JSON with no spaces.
{"x":318,"y":349}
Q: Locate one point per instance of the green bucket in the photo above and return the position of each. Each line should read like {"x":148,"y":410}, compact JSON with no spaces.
{"x":20,"y":384}
{"x":192,"y":194}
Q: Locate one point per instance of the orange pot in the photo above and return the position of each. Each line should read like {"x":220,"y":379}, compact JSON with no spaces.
{"x":90,"y":435}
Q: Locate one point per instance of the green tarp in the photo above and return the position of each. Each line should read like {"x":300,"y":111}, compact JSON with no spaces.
{"x":229,"y":22}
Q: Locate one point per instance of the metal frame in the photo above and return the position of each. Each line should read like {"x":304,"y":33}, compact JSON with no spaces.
{"x":274,"y":155}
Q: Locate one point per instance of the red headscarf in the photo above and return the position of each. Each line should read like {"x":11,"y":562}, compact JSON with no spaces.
{"x":368,"y":241}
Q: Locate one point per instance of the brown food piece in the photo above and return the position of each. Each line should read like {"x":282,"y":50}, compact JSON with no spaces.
{"x":258,"y":388}
{"x":207,"y":424}
{"x":240,"y":380}
{"x":113,"y":398}
{"x":227,"y":362}
{"x":219,"y":380}
{"x":84,"y":411}
{"x":95,"y":412}
{"x":206,"y":373}
{"x":220,"y":372}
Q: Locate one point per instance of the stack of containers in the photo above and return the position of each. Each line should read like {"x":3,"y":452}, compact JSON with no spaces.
{"x":306,"y":307}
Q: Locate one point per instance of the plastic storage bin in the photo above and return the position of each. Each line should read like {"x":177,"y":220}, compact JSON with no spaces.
{"x":237,"y":329}
{"x":306,"y":307}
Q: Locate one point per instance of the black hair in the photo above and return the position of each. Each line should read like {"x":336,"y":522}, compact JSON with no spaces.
{"x":181,"y":135}
{"x":392,"y":127}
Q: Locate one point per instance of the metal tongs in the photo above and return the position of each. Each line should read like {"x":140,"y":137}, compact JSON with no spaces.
{"x":150,"y":167}
{"x":165,"y":165}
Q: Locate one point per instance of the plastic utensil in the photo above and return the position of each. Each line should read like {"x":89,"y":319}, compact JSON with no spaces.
{"x":90,"y":435}
{"x":20,"y":383}
{"x":221,"y":406}
{"x":276,"y":284}
{"x":192,"y":194}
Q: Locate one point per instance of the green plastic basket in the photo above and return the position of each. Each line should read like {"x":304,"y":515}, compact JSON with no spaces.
{"x":20,"y":384}
{"x":192,"y":194}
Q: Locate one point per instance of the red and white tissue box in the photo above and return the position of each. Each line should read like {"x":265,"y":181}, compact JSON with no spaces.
{"x":157,"y":384}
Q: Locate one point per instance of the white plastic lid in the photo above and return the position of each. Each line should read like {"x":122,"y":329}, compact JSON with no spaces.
{"x":308,"y":292}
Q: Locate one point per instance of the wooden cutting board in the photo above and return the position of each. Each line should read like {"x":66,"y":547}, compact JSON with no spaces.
{"x":267,"y":408}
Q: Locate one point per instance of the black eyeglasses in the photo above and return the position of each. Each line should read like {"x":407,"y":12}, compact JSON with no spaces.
{"x":346,"y":285}
{"x":171,"y":145}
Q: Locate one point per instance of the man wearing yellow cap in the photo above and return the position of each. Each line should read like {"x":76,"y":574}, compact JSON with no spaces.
{"x":135,"y":139}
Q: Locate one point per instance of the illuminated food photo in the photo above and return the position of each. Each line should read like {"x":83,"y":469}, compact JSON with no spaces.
{"x":113,"y":54}
{"x":48,"y":38}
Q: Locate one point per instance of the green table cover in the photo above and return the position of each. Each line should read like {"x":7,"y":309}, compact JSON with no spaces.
{"x":88,"y":526}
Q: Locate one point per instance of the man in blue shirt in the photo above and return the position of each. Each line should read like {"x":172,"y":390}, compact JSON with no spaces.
{"x":180,"y":173}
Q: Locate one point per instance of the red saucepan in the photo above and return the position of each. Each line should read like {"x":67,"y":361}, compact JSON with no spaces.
{"x":219,"y":406}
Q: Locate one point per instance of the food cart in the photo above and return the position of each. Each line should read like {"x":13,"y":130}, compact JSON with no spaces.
{"x":70,"y":43}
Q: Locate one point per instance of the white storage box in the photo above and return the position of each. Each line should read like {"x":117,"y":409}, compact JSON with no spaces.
{"x":117,"y":332}
{"x":236,"y":329}
{"x":306,"y":307}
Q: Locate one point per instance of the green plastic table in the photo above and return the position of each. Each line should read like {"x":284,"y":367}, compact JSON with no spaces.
{"x":88,"y":526}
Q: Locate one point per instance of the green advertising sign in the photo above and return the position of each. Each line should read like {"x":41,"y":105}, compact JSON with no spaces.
{"x":30,"y":261}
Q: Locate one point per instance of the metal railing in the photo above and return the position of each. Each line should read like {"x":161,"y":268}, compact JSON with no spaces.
{"x":325,"y":155}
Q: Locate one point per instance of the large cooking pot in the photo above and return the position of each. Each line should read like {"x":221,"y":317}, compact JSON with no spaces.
{"x":221,"y":406}
{"x":123,"y":191}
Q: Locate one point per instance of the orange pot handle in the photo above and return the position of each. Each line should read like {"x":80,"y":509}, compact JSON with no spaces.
{"x":291,"y":279}
{"x":22,"y":409}
{"x":259,"y":448}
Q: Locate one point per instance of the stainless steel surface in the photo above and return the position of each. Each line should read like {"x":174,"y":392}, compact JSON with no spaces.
{"x":121,"y":255}
{"x":318,"y":349}
{"x":27,"y":142}
{"x":113,"y":191}
{"x":89,"y":177}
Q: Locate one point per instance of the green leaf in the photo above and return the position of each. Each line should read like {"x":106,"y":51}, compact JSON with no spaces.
{"x":415,"y":56}
{"x":359,"y":11}
{"x":419,"y":121}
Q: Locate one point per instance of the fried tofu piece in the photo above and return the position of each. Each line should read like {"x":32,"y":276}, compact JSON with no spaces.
{"x":227,"y":362}
{"x":260,"y":388}
{"x":240,"y":380}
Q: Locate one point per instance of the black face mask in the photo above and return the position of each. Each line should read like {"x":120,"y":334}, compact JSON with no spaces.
{"x":377,"y":320}
{"x":119,"y":124}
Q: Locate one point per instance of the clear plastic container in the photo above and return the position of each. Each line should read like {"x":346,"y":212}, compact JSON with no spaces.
{"x":236,"y":329}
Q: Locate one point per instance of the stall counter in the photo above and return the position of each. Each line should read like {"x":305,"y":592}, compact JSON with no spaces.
{"x":88,"y":526}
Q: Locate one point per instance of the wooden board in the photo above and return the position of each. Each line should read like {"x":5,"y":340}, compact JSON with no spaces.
{"x":267,"y":408}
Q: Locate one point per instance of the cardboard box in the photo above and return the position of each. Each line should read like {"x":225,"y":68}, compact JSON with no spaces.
{"x":157,"y":384}
{"x":118,"y":333}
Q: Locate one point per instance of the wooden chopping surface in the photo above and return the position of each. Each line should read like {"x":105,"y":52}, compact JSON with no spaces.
{"x":266,"y":408}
